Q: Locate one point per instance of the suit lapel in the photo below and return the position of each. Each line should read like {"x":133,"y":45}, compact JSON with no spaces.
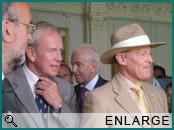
{"x":151,"y":99}
{"x":77,"y":88}
{"x":122,"y":96}
{"x":23,"y":91}
{"x":77,"y":91}
{"x":24,"y":94}
{"x":100,"y":82}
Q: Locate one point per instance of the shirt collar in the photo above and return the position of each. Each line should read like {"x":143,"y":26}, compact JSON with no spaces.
{"x":130,"y":83}
{"x":156,"y":83}
{"x":3,"y":76}
{"x":31,"y":77}
{"x":90,"y":86}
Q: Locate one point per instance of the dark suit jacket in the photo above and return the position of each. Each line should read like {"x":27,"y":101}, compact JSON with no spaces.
{"x":9,"y":103}
{"x":77,"y":88}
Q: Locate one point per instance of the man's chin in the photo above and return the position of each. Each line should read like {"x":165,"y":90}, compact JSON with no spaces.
{"x":18,"y":61}
{"x":53,"y":74}
{"x":78,"y":81}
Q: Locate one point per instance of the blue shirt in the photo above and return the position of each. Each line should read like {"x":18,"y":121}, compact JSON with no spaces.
{"x":156,"y":83}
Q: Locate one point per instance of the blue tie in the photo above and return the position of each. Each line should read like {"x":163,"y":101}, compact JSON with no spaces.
{"x":41,"y":103}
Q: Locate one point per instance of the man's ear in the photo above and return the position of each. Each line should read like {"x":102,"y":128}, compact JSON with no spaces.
{"x":94,"y":67}
{"x":8,"y":31}
{"x":30,"y":53}
{"x":120,"y":57}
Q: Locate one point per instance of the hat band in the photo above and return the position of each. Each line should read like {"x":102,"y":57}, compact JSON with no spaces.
{"x":135,"y":41}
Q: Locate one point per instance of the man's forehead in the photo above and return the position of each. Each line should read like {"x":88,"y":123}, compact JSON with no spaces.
{"x":140,"y":48}
{"x":23,"y":11}
{"x":21,"y":6}
{"x":63,"y":67}
{"x":81,"y":51}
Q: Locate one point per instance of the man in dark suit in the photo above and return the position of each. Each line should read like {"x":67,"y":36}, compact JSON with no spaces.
{"x":85,"y":61}
{"x":36,"y":85}
{"x":14,"y":40}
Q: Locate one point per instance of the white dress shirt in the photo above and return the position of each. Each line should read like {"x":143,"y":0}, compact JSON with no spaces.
{"x":31,"y":78}
{"x":3,"y":76}
{"x":90,"y":86}
{"x":128,"y":86}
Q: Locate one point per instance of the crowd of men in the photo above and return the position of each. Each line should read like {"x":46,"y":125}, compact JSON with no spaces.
{"x":41,"y":84}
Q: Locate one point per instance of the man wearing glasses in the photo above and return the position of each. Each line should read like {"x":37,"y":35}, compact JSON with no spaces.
{"x":39,"y":92}
{"x":16,"y":32}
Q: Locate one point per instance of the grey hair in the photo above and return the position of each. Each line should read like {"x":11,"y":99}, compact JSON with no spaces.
{"x":42,"y":26}
{"x":91,"y":52}
{"x":9,"y":11}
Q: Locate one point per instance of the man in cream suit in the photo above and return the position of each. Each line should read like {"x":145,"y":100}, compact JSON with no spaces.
{"x":35,"y":85}
{"x":131,"y":50}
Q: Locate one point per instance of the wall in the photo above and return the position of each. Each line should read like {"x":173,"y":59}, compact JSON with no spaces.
{"x":94,"y":22}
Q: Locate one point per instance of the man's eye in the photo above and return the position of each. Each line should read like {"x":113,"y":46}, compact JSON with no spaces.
{"x":142,"y":54}
{"x":51,"y":50}
{"x":169,"y":95}
{"x":65,"y":75}
{"x":79,"y":65}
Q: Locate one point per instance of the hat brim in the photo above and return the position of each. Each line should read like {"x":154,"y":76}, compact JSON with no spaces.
{"x":109,"y":56}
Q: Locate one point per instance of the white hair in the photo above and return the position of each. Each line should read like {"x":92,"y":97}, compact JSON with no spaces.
{"x":42,"y":26}
{"x":92,"y":54}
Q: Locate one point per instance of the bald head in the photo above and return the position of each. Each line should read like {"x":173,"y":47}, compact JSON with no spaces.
{"x":14,"y":34}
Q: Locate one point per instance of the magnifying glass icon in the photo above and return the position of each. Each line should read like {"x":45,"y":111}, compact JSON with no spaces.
{"x":9,"y":119}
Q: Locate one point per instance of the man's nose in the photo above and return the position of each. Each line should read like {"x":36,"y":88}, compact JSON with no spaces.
{"x":29,"y":37}
{"x":150,"y":59}
{"x":59,"y":56}
{"x":74,"y":68}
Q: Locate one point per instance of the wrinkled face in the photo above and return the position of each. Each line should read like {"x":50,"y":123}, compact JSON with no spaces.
{"x":138,"y":63}
{"x":65,"y":74}
{"x":169,"y":99}
{"x":22,"y":36}
{"x":47,"y":56}
{"x":81,"y":68}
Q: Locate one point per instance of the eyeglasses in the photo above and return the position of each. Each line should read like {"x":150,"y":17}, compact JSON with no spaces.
{"x":30,"y":27}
